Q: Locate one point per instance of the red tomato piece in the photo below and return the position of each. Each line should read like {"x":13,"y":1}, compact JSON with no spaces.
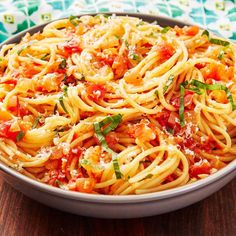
{"x":187,"y":30}
{"x":10,"y":81}
{"x":96,"y":92}
{"x":5,"y":131}
{"x":120,"y":66}
{"x":217,"y":72}
{"x":70,"y":47}
{"x":112,"y":139}
{"x":202,"y":167}
{"x":191,"y":30}
{"x":188,"y":99}
{"x":85,"y":185}
{"x":165,"y":50}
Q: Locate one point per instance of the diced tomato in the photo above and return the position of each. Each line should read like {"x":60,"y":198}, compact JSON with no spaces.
{"x":202,"y":167}
{"x":188,"y":99}
{"x":28,"y":71}
{"x":220,"y":96}
{"x":162,"y":118}
{"x":143,"y":131}
{"x":191,"y":30}
{"x":200,"y":65}
{"x":5,"y":131}
{"x":68,"y":48}
{"x":169,"y":178}
{"x":85,"y":185}
{"x":54,"y":175}
{"x":165,"y":50}
{"x":112,"y":139}
{"x":217,"y":72}
{"x":96,"y":92}
{"x":108,"y":59}
{"x":86,"y":114}
{"x":187,"y":30}
{"x":10,"y":81}
{"x":70,"y":80}
{"x":120,"y":66}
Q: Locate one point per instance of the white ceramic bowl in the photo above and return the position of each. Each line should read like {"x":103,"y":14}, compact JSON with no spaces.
{"x":105,"y":206}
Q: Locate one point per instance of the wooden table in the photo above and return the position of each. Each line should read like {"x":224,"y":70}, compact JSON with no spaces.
{"x":215,"y":216}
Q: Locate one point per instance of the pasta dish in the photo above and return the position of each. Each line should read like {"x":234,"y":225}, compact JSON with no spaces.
{"x":115,"y":105}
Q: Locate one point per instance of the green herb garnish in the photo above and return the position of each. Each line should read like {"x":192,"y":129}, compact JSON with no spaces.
{"x":111,"y":123}
{"x":60,"y":185}
{"x":62,"y":65}
{"x":135,"y":57}
{"x":65,"y":90}
{"x":149,"y":176}
{"x":219,"y":42}
{"x":206,"y":32}
{"x":36,"y":121}
{"x":74,"y":20}
{"x":45,"y":56}
{"x":20,"y":135}
{"x":126,"y":43}
{"x":165,"y":29}
{"x":215,"y":87}
{"x":221,"y":55}
{"x":62,"y":104}
{"x":168,"y":83}
{"x":55,"y":109}
{"x":214,"y":40}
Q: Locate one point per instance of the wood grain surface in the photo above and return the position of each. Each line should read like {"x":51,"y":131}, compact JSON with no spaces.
{"x":214,"y":216}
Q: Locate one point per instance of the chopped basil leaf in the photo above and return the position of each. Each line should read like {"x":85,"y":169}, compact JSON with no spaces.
{"x":156,"y":92}
{"x":126,"y":43}
{"x":45,"y":56}
{"x":36,"y":121}
{"x":60,"y":185}
{"x":204,"y":86}
{"x":74,"y":20}
{"x":206,"y":32}
{"x":168,"y":83}
{"x":117,"y":36}
{"x":62,"y":65}
{"x":214,"y":40}
{"x":165,"y":29}
{"x":221,"y":55}
{"x":65,"y":90}
{"x":55,"y":109}
{"x":149,"y":176}
{"x":114,"y":122}
{"x":230,"y":98}
{"x":62,"y":104}
{"x":59,"y":129}
{"x":135,"y":57}
{"x":219,"y":42}
{"x":21,"y":50}
{"x":65,"y":78}
{"x":140,"y":23}
{"x":181,"y":106}
{"x":169,"y":130}
{"x":20,"y":135}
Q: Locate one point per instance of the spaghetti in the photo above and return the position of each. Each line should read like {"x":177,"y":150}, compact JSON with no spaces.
{"x":115,"y":105}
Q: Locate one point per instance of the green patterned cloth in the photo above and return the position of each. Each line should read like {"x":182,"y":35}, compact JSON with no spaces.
{"x":218,"y":16}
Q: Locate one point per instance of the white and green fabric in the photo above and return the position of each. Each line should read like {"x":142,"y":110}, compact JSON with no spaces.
{"x":218,"y":16}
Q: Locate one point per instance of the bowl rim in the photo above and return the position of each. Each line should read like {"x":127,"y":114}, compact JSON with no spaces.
{"x":110,"y":199}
